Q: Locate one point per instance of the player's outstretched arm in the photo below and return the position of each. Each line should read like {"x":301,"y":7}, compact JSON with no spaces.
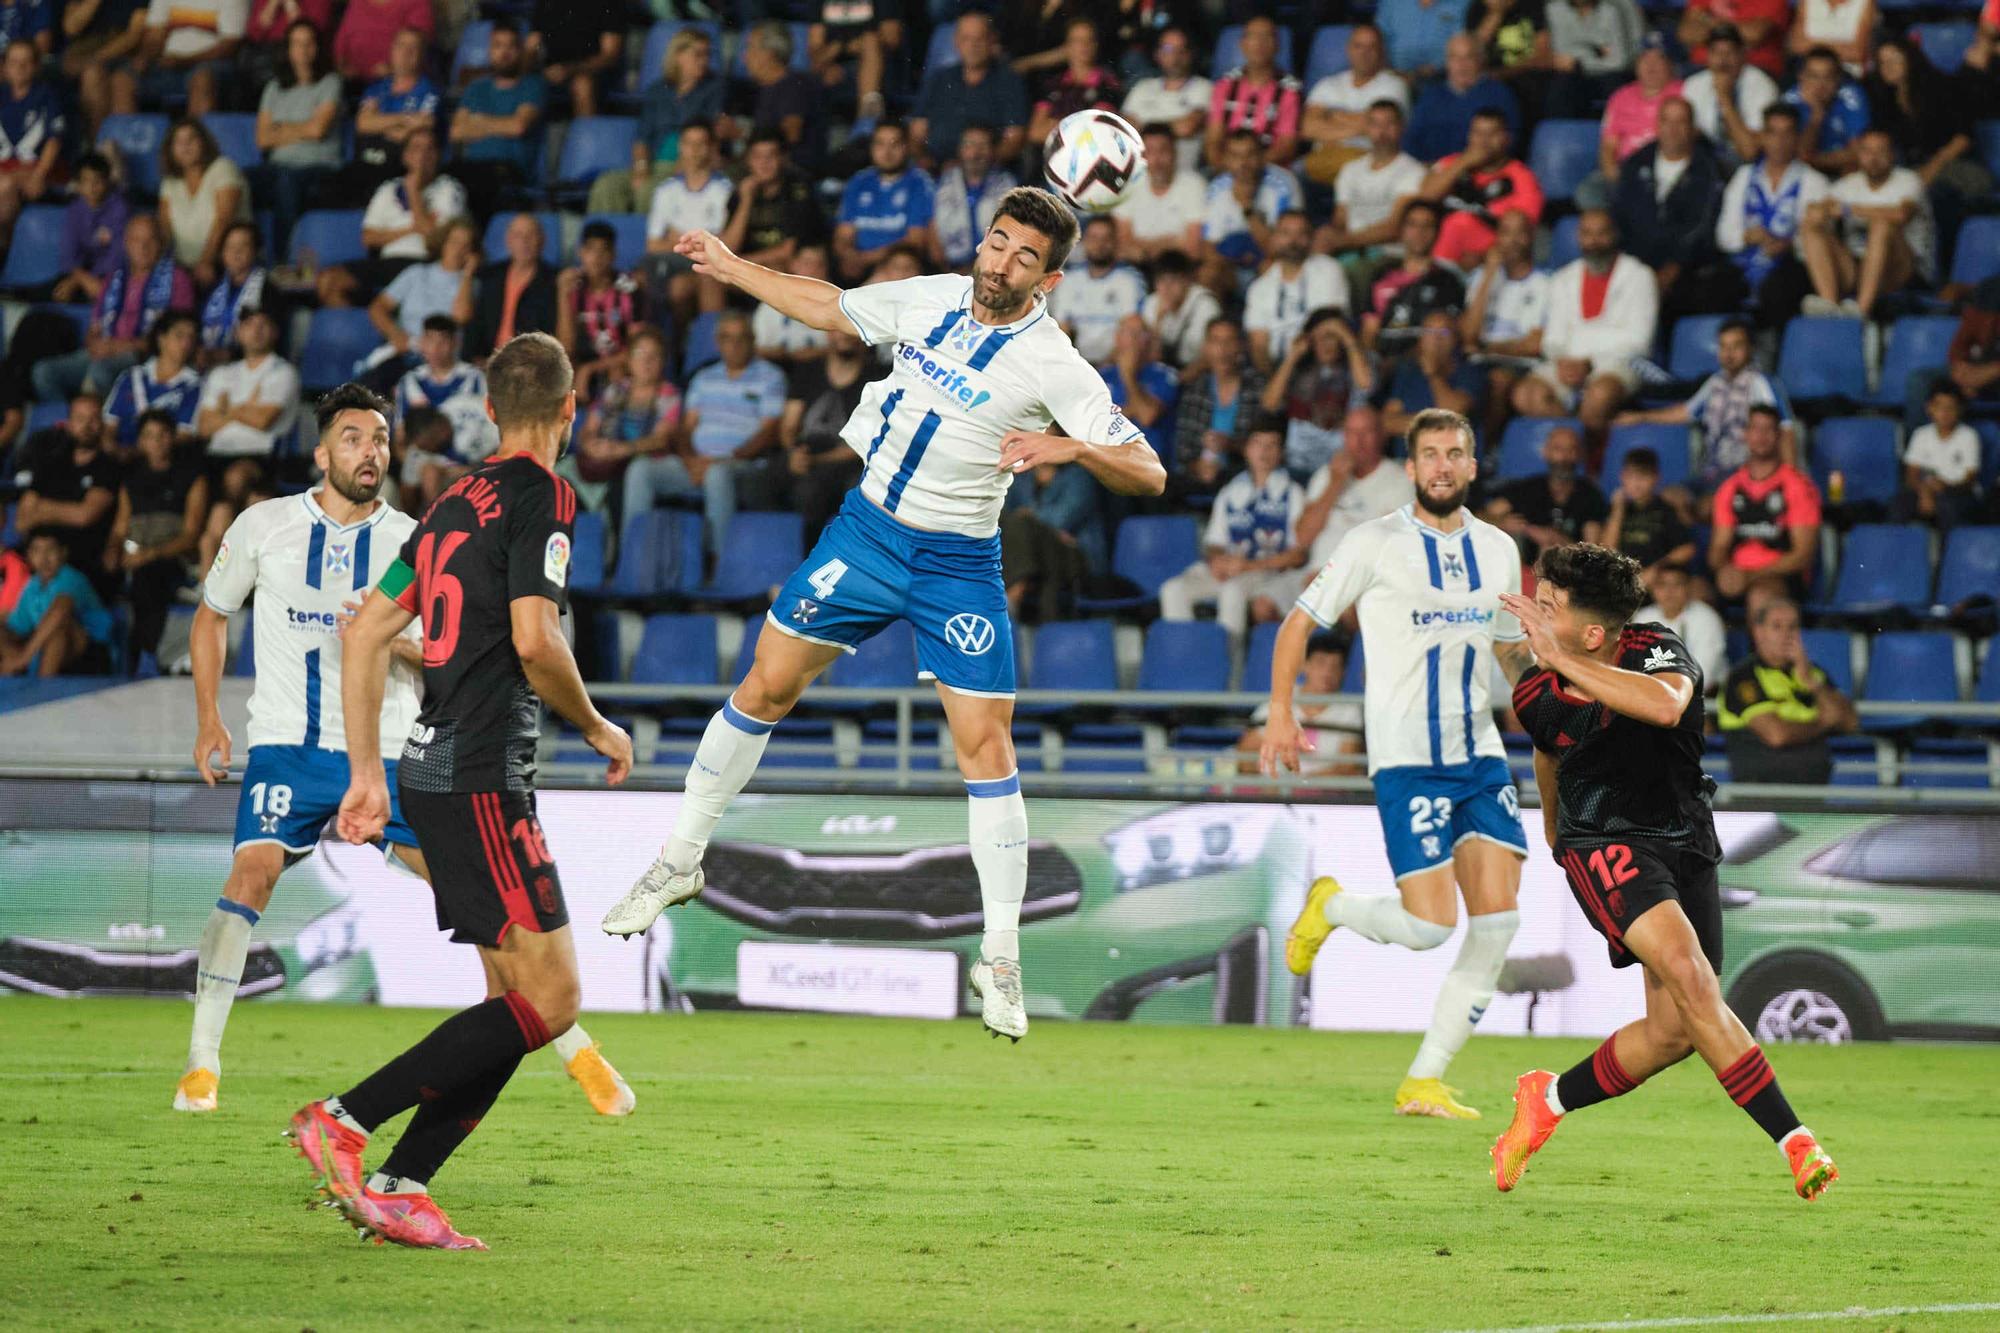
{"x":1517,"y":659}
{"x":551,"y":671}
{"x":208,"y":644}
{"x":364,"y":674}
{"x":1655,"y":700}
{"x":813,"y":303}
{"x":1283,"y":741}
{"x":1124,"y":469}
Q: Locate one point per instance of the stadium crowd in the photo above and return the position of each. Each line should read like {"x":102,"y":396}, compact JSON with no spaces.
{"x":1720,"y":284}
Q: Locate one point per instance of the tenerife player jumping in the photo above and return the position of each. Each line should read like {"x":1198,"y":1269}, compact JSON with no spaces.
{"x":981,"y":370}
{"x":1426,"y":583}
{"x":1616,"y":714}
{"x":308,"y":559}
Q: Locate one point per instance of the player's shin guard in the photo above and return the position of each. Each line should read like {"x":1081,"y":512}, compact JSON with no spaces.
{"x":464,"y":1048}
{"x":1596,"y":1078}
{"x":998,"y":821}
{"x":1752,"y":1086}
{"x":1467,"y":990}
{"x":440,"y":1125}
{"x":728,"y":754}
{"x":1382,"y":918}
{"x":225,"y":943}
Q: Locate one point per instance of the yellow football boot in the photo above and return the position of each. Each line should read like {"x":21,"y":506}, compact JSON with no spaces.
{"x":1432,"y":1096}
{"x":609,"y":1094}
{"x":197,"y":1090}
{"x":1310,"y":928}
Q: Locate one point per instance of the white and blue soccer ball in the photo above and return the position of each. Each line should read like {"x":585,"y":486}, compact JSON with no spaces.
{"x":1094,"y":159}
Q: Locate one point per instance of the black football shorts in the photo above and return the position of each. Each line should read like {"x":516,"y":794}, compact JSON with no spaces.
{"x":490,"y":865}
{"x":1616,"y":883}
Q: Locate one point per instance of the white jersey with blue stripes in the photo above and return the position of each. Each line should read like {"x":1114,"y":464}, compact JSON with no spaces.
{"x":930,"y":431}
{"x":301,"y":566}
{"x":1429,"y":607}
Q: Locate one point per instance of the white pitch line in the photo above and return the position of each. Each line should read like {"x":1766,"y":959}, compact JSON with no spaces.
{"x":1718,"y":1320}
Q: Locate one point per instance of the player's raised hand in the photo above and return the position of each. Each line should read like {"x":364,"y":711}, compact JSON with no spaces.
{"x":609,"y":739}
{"x":1025,"y":450}
{"x":343,"y":619}
{"x":1535,"y":623}
{"x":1283,"y":744}
{"x":211,"y":741}
{"x":364,"y":811}
{"x":706,"y":250}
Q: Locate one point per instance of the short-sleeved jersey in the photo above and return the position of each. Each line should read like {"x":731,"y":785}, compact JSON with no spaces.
{"x":930,"y":433}
{"x":302,"y":566}
{"x":1429,"y":605}
{"x":501,"y":532}
{"x":1618,"y":777}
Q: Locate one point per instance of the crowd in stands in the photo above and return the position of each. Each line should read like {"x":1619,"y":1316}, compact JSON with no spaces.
{"x":1614,"y":237}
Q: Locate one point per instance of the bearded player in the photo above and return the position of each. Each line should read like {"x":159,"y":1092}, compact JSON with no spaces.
{"x":308,"y":559}
{"x":981,"y":371}
{"x":1426,"y":583}
{"x":1616,"y":714}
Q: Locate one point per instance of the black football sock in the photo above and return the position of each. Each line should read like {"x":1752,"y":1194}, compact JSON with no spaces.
{"x":1752,"y":1086}
{"x":440,"y":1125}
{"x":469,"y":1044}
{"x":1598,"y":1077}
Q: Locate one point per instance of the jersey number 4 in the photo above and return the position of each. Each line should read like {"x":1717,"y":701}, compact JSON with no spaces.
{"x":443,"y":595}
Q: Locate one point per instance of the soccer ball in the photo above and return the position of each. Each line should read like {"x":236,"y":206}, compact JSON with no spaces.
{"x":1094,"y":159}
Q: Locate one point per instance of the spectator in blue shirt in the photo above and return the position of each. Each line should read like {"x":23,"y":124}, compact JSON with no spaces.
{"x":497,"y":127}
{"x":395,"y":107}
{"x":166,"y":382}
{"x":92,"y":234}
{"x":980,"y":90}
{"x":889,"y":204}
{"x":1443,"y":115}
{"x":59,"y":617}
{"x":1141,"y":384}
{"x":30,"y":21}
{"x":31,"y":132}
{"x":1435,"y":375}
{"x":688,"y":91}
{"x":1833,"y":111}
{"x":729,"y":423}
{"x":1417,"y":31}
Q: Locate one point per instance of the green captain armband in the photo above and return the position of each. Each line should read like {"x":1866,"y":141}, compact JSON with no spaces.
{"x":399,"y":585}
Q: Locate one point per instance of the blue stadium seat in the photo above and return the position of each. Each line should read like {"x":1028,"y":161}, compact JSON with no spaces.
{"x":1916,"y":342}
{"x":759,"y":553}
{"x":746,"y":651}
{"x":137,"y":138}
{"x":1986,"y":134}
{"x":886,"y":662}
{"x":9,"y":531}
{"x":1909,"y":666}
{"x":1883,"y":566}
{"x":802,"y":743}
{"x":1692,"y":354}
{"x":1977,"y":254}
{"x":552,"y":236}
{"x":1356,"y":678}
{"x":1670,"y":442}
{"x":586,"y":556}
{"x":942,"y":53}
{"x":1185,"y":655}
{"x":801,"y":53}
{"x":1970,"y":567}
{"x":1562,"y":153}
{"x":1257,"y":654}
{"x":1944,"y":43}
{"x":700,"y":350}
{"x":1863,"y":451}
{"x":469,"y":60}
{"x":1149,"y":550}
{"x":631,"y":242}
{"x":1075,"y":655}
{"x":657,"y":39}
{"x":1125,"y":746}
{"x":1832,"y":651}
{"x":1563,"y":247}
{"x":1964,"y":754}
{"x":1988,"y":689}
{"x":649,"y":554}
{"x":335,"y":340}
{"x":1988,"y":431}
{"x":1329,"y":53}
{"x":1229,"y":50}
{"x":31,"y":259}
{"x":594,"y":145}
{"x":245,"y":662}
{"x":332,"y":234}
{"x":676,"y":650}
{"x":236,"y":134}
{"x":1821,"y":360}
{"x":1521,"y":445}
{"x":43,"y":415}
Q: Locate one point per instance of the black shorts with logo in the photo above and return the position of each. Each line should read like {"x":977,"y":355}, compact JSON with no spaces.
{"x":1615,"y":883}
{"x":489,"y":862}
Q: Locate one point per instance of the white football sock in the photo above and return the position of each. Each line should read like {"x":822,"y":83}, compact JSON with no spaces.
{"x":339,"y":1112}
{"x":1383,"y":919}
{"x":1553,"y":1098}
{"x":1467,"y":990}
{"x":384,"y":1183}
{"x":728,"y":754}
{"x":998,"y":820}
{"x":225,"y":943}
{"x":570,"y":1042}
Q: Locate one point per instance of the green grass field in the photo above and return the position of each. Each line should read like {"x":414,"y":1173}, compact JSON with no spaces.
{"x":827,"y":1173}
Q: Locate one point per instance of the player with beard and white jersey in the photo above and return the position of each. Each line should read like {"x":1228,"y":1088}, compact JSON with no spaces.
{"x":309,"y":560}
{"x":1425,"y":583}
{"x":981,"y":370}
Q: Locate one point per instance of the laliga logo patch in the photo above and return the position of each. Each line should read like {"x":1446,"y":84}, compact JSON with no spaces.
{"x":221,"y":559}
{"x":970,"y":634}
{"x":339,"y":559}
{"x":555,"y":560}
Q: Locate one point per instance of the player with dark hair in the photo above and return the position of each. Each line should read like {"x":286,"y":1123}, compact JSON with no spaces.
{"x":488,"y":567}
{"x":1615,"y":710}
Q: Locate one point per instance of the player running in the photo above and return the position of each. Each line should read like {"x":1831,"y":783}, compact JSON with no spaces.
{"x":1426,"y":582}
{"x":307,"y":557}
{"x":980,"y":372}
{"x":488,"y":567}
{"x":1616,"y":714}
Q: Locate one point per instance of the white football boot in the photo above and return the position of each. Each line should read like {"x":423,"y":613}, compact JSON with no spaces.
{"x":657,"y":890}
{"x":998,"y":986}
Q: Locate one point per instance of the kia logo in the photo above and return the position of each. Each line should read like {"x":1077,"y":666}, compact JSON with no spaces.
{"x":970,"y":634}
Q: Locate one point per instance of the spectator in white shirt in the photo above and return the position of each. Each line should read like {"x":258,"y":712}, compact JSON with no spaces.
{"x":420,"y":291}
{"x":1603,"y":309}
{"x":1503,"y":320}
{"x":405,"y":214}
{"x":1296,"y":284}
{"x":1335,"y":117}
{"x":695,"y":198}
{"x":1165,"y":213}
{"x":1251,"y":549}
{"x":779,"y":337}
{"x":1244,"y":203}
{"x":1097,"y":292}
{"x":247,"y":406}
{"x":1350,"y":488}
{"x":1941,"y":464}
{"x":1179,"y":310}
{"x":1694,"y":621}
{"x":1369,"y":191}
{"x":1729,"y":98}
{"x":1872,"y":234}
{"x":1177,"y":97}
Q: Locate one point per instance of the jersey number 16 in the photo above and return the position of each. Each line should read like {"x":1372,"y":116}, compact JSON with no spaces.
{"x":443,"y":595}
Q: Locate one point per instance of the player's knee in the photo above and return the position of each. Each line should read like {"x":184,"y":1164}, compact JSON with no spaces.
{"x":1427,"y":934}
{"x":1688,"y":976}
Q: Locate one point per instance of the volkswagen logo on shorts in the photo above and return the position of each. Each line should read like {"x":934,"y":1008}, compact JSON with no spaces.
{"x":970,"y":634}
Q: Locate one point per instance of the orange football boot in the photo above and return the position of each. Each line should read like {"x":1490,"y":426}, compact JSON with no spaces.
{"x":1813,"y":1172}
{"x":1533,"y":1123}
{"x":333,"y":1150}
{"x":414,"y":1220}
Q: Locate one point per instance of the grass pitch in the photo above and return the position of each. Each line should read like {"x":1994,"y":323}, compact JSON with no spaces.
{"x":829,"y":1173}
